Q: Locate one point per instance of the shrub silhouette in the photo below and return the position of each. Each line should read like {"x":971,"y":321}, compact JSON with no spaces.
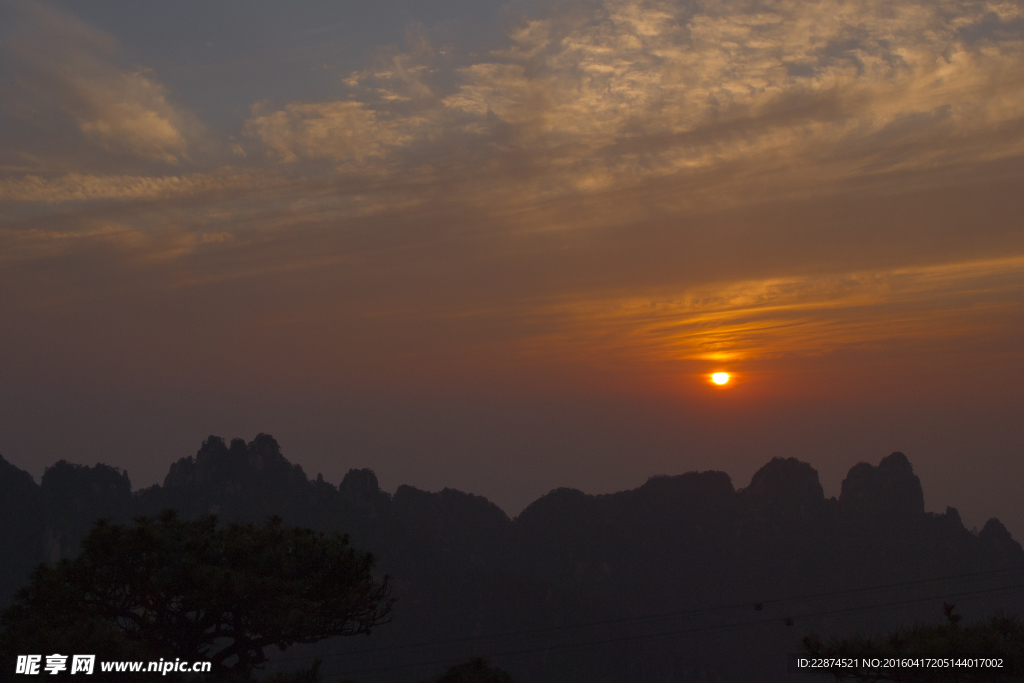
{"x":1001,"y":637}
{"x":474,"y":671}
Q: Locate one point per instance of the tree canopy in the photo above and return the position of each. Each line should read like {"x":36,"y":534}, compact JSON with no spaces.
{"x":191,"y":589}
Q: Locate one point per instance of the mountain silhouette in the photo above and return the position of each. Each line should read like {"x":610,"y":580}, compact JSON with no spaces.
{"x":684,"y":578}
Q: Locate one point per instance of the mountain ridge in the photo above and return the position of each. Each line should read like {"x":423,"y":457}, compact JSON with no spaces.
{"x":463,"y":569}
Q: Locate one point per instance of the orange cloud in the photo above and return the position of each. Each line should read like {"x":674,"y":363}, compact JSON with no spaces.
{"x":821,"y":91}
{"x":794,"y":316}
{"x":732,"y":103}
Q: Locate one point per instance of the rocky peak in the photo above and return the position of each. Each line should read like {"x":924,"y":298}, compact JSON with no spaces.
{"x":997,"y":538}
{"x":891,"y":488}
{"x":75,"y":496}
{"x":785,"y":489}
{"x":265,"y":455}
{"x":359,"y":485}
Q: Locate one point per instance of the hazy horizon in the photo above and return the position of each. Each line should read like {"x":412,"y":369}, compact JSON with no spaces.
{"x":513,"y":504}
{"x":500,"y":246}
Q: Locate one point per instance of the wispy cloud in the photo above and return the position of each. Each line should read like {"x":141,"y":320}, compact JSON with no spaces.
{"x":340,"y":131}
{"x":798,"y":94}
{"x":71,"y":68}
{"x":793,"y":316}
{"x":725,"y":101}
{"x":138,"y":247}
{"x":84,"y":187}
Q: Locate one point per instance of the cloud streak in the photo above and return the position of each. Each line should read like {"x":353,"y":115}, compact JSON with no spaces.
{"x":757,"y":320}
{"x":77,"y":187}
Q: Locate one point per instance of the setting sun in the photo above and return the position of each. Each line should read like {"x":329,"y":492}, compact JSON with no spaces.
{"x":720,"y":377}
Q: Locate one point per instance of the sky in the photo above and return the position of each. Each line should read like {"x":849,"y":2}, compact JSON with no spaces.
{"x":500,"y":247}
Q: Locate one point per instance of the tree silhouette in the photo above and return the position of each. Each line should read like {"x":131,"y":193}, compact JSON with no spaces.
{"x":188,"y":589}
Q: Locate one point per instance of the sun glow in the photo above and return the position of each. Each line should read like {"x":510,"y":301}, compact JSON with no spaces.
{"x":720,"y":378}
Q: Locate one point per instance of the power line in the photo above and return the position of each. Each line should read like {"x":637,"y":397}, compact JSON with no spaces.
{"x":621,"y":639}
{"x":661,"y":615}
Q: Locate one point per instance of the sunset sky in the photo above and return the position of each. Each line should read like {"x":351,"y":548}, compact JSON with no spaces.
{"x":501,"y":246}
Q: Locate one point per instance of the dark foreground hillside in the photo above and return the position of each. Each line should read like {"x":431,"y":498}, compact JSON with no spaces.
{"x":682,"y":579}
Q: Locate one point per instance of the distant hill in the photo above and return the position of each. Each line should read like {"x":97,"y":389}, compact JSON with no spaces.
{"x":684,"y":578}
